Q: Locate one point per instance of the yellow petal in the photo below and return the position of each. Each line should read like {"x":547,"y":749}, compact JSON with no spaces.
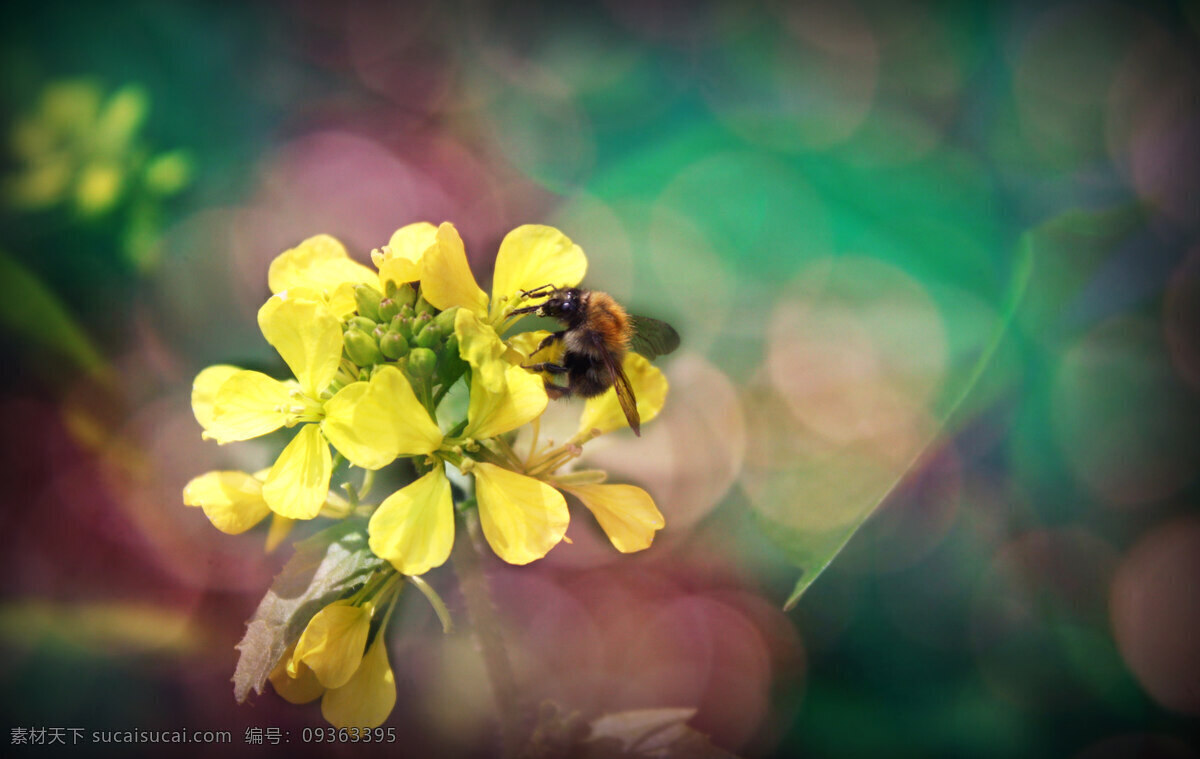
{"x":414,"y":527}
{"x":302,"y":688}
{"x":522,"y":518}
{"x":526,"y":343}
{"x":204,"y":391}
{"x":532,"y":256}
{"x":446,"y":279}
{"x":371,"y":423}
{"x":649,"y":388}
{"x":400,"y":261}
{"x":319,"y":262}
{"x":232,"y":501}
{"x":626,"y":513}
{"x":279,"y":529}
{"x":341,"y":302}
{"x":332,"y":644}
{"x":307,"y":335}
{"x":298,"y":483}
{"x":482,"y":348}
{"x":247,"y":405}
{"x":522,"y":399}
{"x":369,"y":697}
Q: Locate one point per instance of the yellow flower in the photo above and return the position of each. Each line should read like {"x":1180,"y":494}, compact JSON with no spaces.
{"x":400,"y":260}
{"x":233,"y":502}
{"x":367,"y":698}
{"x":369,"y":422}
{"x":414,"y":527}
{"x":300,"y":688}
{"x":522,"y":517}
{"x":530,"y":256}
{"x":626,"y":513}
{"x":332,"y":644}
{"x":322,"y":264}
{"x":78,"y":146}
{"x":364,"y":701}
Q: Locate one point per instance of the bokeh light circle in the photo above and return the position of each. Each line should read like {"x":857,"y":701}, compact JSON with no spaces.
{"x":1155,"y":607}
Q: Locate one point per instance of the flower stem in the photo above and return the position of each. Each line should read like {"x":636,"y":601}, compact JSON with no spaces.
{"x":486,"y":625}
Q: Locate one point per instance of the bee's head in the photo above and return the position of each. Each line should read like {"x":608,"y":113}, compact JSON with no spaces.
{"x":564,"y":304}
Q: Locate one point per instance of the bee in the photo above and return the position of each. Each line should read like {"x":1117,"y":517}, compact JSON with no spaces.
{"x":597,"y":333}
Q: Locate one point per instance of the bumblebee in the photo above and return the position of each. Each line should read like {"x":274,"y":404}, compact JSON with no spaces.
{"x":597,"y":333}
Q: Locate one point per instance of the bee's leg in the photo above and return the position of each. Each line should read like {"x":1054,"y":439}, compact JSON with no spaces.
{"x":546,"y":366}
{"x":554,"y":391}
{"x":549,"y":340}
{"x":557,"y":391}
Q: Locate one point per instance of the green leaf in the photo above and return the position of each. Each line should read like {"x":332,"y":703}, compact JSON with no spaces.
{"x":814,"y":550}
{"x":324,"y":568}
{"x":33,"y":313}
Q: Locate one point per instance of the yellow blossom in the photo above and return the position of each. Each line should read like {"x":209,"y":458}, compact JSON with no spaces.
{"x":530,"y":256}
{"x":232,"y":501}
{"x":368,"y":697}
{"x":400,"y":260}
{"x":299,"y":688}
{"x":414,"y":527}
{"x":369,"y":422}
{"x":322,"y":265}
{"x":627,"y":514}
{"x":522,"y":517}
{"x":332,"y":644}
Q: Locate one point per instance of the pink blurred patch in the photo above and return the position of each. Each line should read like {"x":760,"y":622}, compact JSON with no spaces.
{"x":650,"y":635}
{"x":1155,"y":607}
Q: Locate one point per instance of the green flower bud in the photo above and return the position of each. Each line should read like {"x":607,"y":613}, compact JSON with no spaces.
{"x":361,"y":323}
{"x":388,"y":309}
{"x":445,"y":320}
{"x":394,"y":346}
{"x":405,"y":295}
{"x":430,"y":336}
{"x":367,"y":298}
{"x":389,"y":289}
{"x":422,"y":363}
{"x":403,"y":326}
{"x":362,"y":348}
{"x":424,"y":307}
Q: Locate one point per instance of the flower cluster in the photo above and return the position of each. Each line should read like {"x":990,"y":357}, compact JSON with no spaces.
{"x":409,"y":361}
{"x":82,"y":149}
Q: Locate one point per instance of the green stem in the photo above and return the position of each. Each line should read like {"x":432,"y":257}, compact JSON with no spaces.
{"x":367,"y":481}
{"x":435,"y":600}
{"x":485,"y":622}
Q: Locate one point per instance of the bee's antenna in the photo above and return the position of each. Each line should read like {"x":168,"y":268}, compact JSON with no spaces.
{"x":537,"y":291}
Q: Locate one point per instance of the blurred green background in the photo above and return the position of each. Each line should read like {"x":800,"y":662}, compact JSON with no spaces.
{"x":843,"y":207}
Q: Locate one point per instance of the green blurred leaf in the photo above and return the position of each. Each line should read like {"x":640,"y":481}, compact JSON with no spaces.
{"x":324,"y":568}
{"x":29,"y":310}
{"x":813,"y":551}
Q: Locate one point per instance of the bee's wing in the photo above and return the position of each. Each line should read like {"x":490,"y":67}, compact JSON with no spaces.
{"x":653,"y":338}
{"x":624,"y":392}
